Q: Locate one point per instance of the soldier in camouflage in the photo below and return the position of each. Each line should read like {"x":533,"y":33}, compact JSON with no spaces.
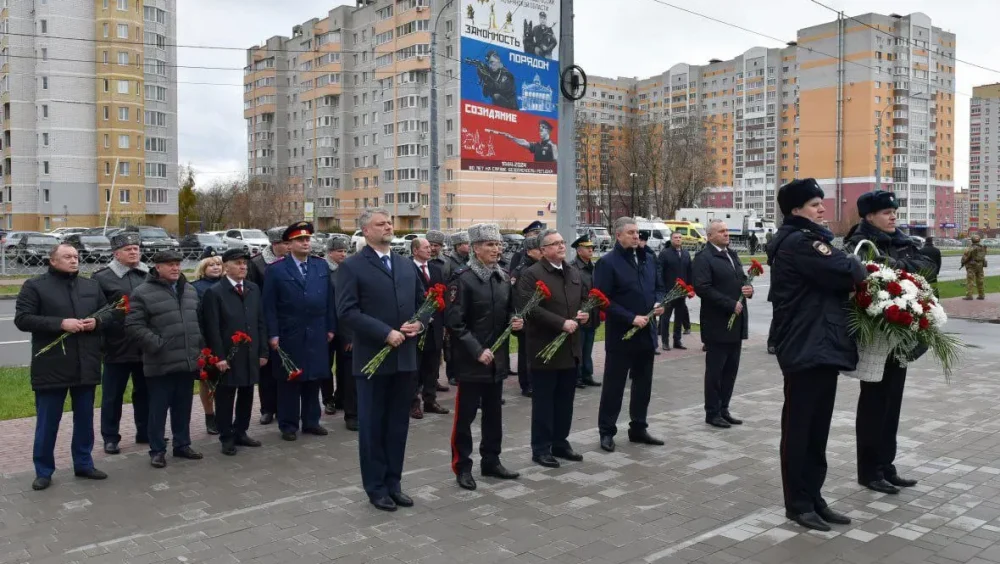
{"x":974,"y":261}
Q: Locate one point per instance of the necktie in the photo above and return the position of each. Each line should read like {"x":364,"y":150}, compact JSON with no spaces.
{"x":427,"y":277}
{"x":304,"y":269}
{"x":387,"y":263}
{"x":239,"y":288}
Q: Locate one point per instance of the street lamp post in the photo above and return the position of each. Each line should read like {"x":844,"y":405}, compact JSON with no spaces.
{"x":435,"y":189}
{"x":633,"y":175}
{"x":878,"y":145}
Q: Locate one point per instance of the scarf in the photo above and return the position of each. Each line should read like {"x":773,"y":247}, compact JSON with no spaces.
{"x":268,"y":255}
{"x":121,"y":270}
{"x":483,"y":271}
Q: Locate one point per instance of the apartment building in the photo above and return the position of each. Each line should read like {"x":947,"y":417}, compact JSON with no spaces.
{"x":984,"y":158}
{"x":811,"y":108}
{"x":89,"y":123}
{"x":338,"y":115}
{"x":961,"y":219}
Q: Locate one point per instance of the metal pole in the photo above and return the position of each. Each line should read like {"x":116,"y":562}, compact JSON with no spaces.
{"x":435,"y":190}
{"x":114,"y":177}
{"x":878,"y":146}
{"x":566,"y":217}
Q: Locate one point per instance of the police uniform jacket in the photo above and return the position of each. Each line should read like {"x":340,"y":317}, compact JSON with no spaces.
{"x":633,"y":289}
{"x":810,"y":286}
{"x":452,"y":264}
{"x":719,"y":282}
{"x":223,"y":313}
{"x":545,"y":322}
{"x":117,"y":280}
{"x":897,"y":249}
{"x":165,"y":324}
{"x":42,"y":304}
{"x":587,"y":273}
{"x":300,"y":312}
{"x":478,"y":312}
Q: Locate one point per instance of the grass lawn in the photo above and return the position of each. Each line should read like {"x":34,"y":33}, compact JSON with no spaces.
{"x":956,"y":288}
{"x":9,"y":289}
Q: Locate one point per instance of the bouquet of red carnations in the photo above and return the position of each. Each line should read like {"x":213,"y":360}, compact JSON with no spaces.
{"x":121,"y":305}
{"x":439,"y":290}
{"x":680,"y":289}
{"x":542,"y":292}
{"x":207,"y":371}
{"x":595,"y":298}
{"x":754,"y":271}
{"x":433,"y":301}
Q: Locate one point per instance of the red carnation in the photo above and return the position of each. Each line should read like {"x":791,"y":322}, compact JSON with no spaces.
{"x":892,"y":314}
{"x":201,"y":362}
{"x":294,"y":374}
{"x":924,"y":323}
{"x":541,"y":287}
{"x":905,"y":318}
{"x":863,"y":286}
{"x":213,"y":360}
{"x":755,"y":268}
{"x":871,"y":267}
{"x":203,"y":375}
{"x":236,"y":338}
{"x":864,"y":299}
{"x":206,"y":352}
{"x":894,"y":289}
{"x":604,"y":316}
{"x":598,"y":295}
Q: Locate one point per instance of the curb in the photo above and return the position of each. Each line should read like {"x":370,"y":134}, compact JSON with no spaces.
{"x":8,"y":297}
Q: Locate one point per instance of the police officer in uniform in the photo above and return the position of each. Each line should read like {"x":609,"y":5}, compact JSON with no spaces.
{"x":588,"y":331}
{"x":544,"y":150}
{"x":974,"y":261}
{"x":437,"y":241}
{"x":880,"y":402}
{"x":267,"y":388}
{"x":497,"y":82}
{"x":532,"y":254}
{"x":453,"y":262}
{"x":810,"y":285}
{"x":302,"y":320}
{"x":529,"y":232}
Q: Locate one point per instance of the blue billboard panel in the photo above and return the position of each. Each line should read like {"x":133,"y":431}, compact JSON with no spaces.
{"x":496,"y":76}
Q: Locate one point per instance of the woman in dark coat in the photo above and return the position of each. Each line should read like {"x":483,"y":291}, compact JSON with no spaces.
{"x":880,"y":402}
{"x":207,"y":274}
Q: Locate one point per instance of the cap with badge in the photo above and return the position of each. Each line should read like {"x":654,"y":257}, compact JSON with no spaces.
{"x":644,"y":234}
{"x":482,"y":232}
{"x":296,"y":230}
{"x":274,"y":234}
{"x":535,"y":226}
{"x":125,"y":239}
{"x":459,"y":238}
{"x":338,"y":243}
{"x":876,"y":201}
{"x":435,"y":237}
{"x":167,"y":256}
{"x":797,"y":193}
{"x":235,"y":254}
{"x":207,"y":253}
{"x":582,"y":241}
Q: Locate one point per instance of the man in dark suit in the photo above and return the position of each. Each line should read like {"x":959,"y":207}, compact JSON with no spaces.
{"x":230,"y":306}
{"x":336,"y":253}
{"x":676,"y":263}
{"x":627,"y":276}
{"x":267,"y":389}
{"x":429,"y":274}
{"x":585,"y":263}
{"x":720,"y":282}
{"x":532,"y":254}
{"x":301,"y":319}
{"x":378,"y":293}
{"x":345,"y":396}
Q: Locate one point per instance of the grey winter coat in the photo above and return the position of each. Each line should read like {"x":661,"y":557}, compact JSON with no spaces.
{"x":117,"y":280}
{"x":165,"y":325}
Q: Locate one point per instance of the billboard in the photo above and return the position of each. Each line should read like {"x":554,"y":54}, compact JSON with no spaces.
{"x":510,"y":86}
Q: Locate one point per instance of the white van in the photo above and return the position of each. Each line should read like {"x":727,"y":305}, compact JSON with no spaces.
{"x":659,"y":232}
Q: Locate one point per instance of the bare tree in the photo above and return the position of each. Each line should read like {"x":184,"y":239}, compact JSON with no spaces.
{"x":215,"y":204}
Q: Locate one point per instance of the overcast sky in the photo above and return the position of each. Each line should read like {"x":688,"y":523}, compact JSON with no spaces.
{"x":613,"y":38}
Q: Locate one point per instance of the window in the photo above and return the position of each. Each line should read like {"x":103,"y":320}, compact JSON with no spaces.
{"x":45,"y":168}
{"x":107,"y":195}
{"x":449,"y":125}
{"x":123,"y":58}
{"x":123,"y":87}
{"x":156,"y":170}
{"x":122,"y":31}
{"x":124,"y":169}
{"x":107,"y":85}
{"x":45,"y":195}
{"x":124,"y":196}
{"x":151,"y":14}
{"x":107,"y":141}
{"x":123,"y":5}
{"x":123,"y":141}
{"x":156,"y":145}
{"x":45,"y":26}
{"x":107,"y":172}
{"x":45,"y":54}
{"x":45,"y":83}
{"x":156,"y":196}
{"x":45,"y":110}
{"x":449,"y":100}
{"x":45,"y":139}
{"x":122,"y":114}
{"x":107,"y":113}
{"x":156,"y":118}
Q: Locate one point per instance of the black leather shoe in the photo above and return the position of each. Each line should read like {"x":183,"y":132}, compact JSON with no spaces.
{"x":401,"y":499}
{"x":526,"y":393}
{"x":665,"y":346}
{"x":546,"y":460}
{"x":91,"y":474}
{"x":384,"y":503}
{"x":435,"y":407}
{"x":442,"y":388}
{"x":580,"y":385}
{"x":731,"y":420}
{"x":499,"y":471}
{"x":657,"y":352}
{"x":591,"y":382}
{"x":318,"y":430}
{"x":188,"y":453}
{"x":229,"y":448}
{"x":142,"y":440}
{"x":900,"y":482}
{"x":351,"y":424}
{"x":881,"y":486}
{"x":643,"y":438}
{"x":831,"y":516}
{"x":719,"y":422}
{"x":111,"y":447}
{"x":608,"y":443}
{"x":809,"y":520}
{"x":771,"y":350}
{"x":289,"y":436}
{"x":680,"y":347}
{"x":210,"y":427}
{"x":158,"y":460}
{"x":466,"y":481}
{"x":266,"y":418}
{"x":567,"y":454}
{"x":329,"y":408}
{"x":41,"y":483}
{"x":247,"y":441}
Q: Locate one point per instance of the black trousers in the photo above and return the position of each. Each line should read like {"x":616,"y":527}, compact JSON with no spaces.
{"x":326,"y":385}
{"x":267,"y":388}
{"x":469,"y":398}
{"x":346,"y":396}
{"x":618,"y":367}
{"x":173,"y":393}
{"x":805,"y":427}
{"x":113,"y":383}
{"x":722,"y":364}
{"x":298,"y":400}
{"x":233,"y":405}
{"x":772,"y":337}
{"x":427,"y":374}
{"x":878,"y":420}
{"x":383,"y":425}
{"x":682,"y":320}
{"x":523,"y":372}
{"x":552,"y":409}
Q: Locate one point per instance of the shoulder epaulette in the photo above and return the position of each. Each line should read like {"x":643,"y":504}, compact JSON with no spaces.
{"x":461,"y":270}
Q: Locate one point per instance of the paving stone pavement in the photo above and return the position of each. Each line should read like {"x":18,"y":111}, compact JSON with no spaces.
{"x":709,"y":496}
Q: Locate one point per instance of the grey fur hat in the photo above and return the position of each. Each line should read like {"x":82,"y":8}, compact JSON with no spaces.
{"x":530,"y":243}
{"x":338,"y":243}
{"x":125,"y":239}
{"x":459,"y":238}
{"x":435,"y":237}
{"x":274,"y":234}
{"x":484,"y":232}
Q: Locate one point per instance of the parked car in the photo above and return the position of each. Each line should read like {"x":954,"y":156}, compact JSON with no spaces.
{"x":194,"y":244}
{"x":33,"y":249}
{"x":357,"y":241}
{"x":12,"y":238}
{"x":152,"y":239}
{"x":62,"y":232}
{"x":91,"y":248}
{"x":251,"y":240}
{"x":599,"y":236}
{"x":109,"y":233}
{"x":512,"y":243}
{"x":317,"y":245}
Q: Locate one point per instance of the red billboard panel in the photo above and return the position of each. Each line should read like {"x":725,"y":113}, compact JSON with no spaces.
{"x":497,"y":139}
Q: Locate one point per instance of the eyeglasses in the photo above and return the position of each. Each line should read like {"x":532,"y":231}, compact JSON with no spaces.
{"x":556,"y":244}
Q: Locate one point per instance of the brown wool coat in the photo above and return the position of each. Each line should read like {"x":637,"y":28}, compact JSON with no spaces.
{"x":545,"y":323}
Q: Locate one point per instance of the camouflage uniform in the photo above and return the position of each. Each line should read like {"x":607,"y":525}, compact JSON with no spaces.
{"x":974,"y":261}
